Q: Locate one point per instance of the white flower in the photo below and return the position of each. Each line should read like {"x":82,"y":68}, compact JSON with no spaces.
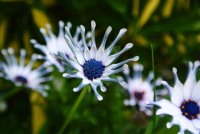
{"x":140,"y":91}
{"x":56,"y":44}
{"x":23,"y":75}
{"x":184,"y":106}
{"x":94,"y":65}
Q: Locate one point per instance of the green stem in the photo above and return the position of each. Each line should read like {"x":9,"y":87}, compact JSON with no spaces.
{"x":154,"y":89}
{"x":75,"y":106}
{"x":11,"y":93}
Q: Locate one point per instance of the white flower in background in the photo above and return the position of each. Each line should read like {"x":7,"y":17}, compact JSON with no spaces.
{"x":23,"y":75}
{"x":140,"y":90}
{"x":94,"y":65}
{"x":184,"y":106}
{"x":57,"y":44}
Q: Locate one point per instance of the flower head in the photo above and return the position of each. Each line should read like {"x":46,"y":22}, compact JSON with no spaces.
{"x":140,"y":90}
{"x":184,"y":106}
{"x":94,"y":65}
{"x":23,"y":75}
{"x":57,"y":44}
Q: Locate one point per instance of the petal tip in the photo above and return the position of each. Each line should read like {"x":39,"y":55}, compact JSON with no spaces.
{"x":129,"y":45}
{"x":99,"y":97}
{"x":93,"y":24}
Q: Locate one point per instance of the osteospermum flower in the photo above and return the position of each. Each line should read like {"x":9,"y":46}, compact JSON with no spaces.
{"x":139,"y":89}
{"x":56,"y":44}
{"x":23,"y":75}
{"x":184,"y":106}
{"x":94,"y":65}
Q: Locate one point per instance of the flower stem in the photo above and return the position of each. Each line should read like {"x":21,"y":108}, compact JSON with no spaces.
{"x":11,"y":93}
{"x":154,"y":89}
{"x":75,"y":106}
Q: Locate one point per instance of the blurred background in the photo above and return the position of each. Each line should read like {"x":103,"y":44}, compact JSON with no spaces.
{"x":171,"y":26}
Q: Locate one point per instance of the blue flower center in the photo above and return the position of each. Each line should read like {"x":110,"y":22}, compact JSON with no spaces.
{"x":139,"y":95}
{"x":21,"y":79}
{"x":93,"y":69}
{"x":190,"y":109}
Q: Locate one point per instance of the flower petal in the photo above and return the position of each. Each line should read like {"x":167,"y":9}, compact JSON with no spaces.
{"x":87,"y":54}
{"x":177,"y":91}
{"x":196,"y":92}
{"x":79,"y":57}
{"x":93,"y":52}
{"x":175,"y":120}
{"x":191,"y":80}
{"x":186,"y":124}
{"x":196,"y":123}
{"x":167,"y":108}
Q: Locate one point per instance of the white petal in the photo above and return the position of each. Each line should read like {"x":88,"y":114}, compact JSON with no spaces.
{"x":168,"y":87}
{"x":190,"y":81}
{"x":94,"y":87}
{"x":196,"y":123}
{"x":177,"y":94}
{"x":109,"y":79}
{"x":114,"y":56}
{"x":79,"y":87}
{"x":110,"y":72}
{"x":82,"y":28}
{"x":50,"y":33}
{"x":100,"y":53}
{"x":93,"y":25}
{"x":186,"y":124}
{"x":107,"y":60}
{"x":166,"y":107}
{"x":76,"y":75}
{"x":196,"y":92}
{"x":150,"y":77}
{"x":61,"y":27}
{"x":87,"y":54}
{"x":43,"y":31}
{"x":93,"y":52}
{"x":12,"y":56}
{"x":175,"y":120}
{"x":79,"y":57}
{"x":120,"y":34}
{"x":22,"y":57}
{"x":103,"y":88}
{"x":138,"y":68}
{"x":114,"y":66}
{"x":108,"y":30}
{"x":130,"y":102}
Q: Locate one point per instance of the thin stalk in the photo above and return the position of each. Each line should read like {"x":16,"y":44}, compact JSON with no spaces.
{"x":154,"y":89}
{"x":73,"y":110}
{"x":11,"y":93}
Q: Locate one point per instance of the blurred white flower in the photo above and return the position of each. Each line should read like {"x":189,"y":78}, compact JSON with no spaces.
{"x":94,"y":65}
{"x":184,"y":106}
{"x":57,"y":44}
{"x":23,"y":75}
{"x":140,"y":90}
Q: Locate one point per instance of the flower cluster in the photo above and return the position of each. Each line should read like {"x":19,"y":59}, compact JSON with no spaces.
{"x":55,"y":44}
{"x":184,"y":106}
{"x":93,"y":65}
{"x":24,"y":75}
{"x":140,"y":90}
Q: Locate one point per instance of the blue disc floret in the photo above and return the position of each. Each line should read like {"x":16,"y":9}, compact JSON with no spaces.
{"x":139,"y":95}
{"x":190,"y":109}
{"x":93,"y":69}
{"x":21,"y":79}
